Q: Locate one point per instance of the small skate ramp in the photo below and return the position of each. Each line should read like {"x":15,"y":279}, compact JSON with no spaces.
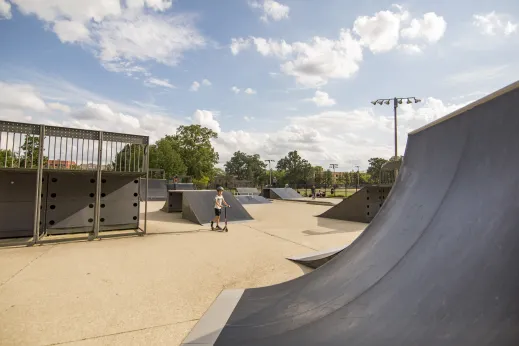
{"x":247,"y":191}
{"x":173,"y":201}
{"x":281,"y":193}
{"x":436,"y":266}
{"x":362,"y":206}
{"x":156,"y":190}
{"x":198,"y":207}
{"x":252,"y":199}
{"x":316,"y":259}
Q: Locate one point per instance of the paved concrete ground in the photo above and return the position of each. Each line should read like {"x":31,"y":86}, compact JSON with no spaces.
{"x":151,"y":290}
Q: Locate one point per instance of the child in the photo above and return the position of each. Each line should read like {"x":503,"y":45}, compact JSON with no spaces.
{"x":218,"y":201}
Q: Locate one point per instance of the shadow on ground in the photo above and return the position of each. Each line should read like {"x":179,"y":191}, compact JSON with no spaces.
{"x":336,"y":226}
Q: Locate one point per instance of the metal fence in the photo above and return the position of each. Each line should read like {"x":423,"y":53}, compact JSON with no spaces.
{"x":40,"y":148}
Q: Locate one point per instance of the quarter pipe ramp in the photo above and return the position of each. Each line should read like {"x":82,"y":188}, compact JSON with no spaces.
{"x":436,"y":266}
{"x":156,"y":189}
{"x":252,"y":199}
{"x":281,"y":193}
{"x":361,"y":206}
{"x":198,"y":207}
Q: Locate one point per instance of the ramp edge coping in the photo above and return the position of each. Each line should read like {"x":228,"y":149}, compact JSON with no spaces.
{"x":209,"y":327}
{"x":468,"y":107}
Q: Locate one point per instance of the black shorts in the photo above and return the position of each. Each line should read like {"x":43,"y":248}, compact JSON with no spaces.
{"x":217,"y":212}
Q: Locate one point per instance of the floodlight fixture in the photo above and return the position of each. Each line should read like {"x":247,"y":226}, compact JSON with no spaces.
{"x":417,"y":100}
{"x":387,"y":102}
{"x":374,"y":103}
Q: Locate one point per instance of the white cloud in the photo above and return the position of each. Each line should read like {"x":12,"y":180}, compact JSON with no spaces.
{"x":315,"y":62}
{"x":494,"y":24}
{"x":479,"y":74}
{"x":239,"y":44}
{"x":322,"y":99}
{"x":235,"y":90}
{"x":271,"y":10}
{"x":430,"y":28}
{"x":206,"y":119}
{"x":195,"y":86}
{"x":159,"y":82}
{"x":122,"y":38}
{"x":380,"y":32}
{"x":250,"y":91}
{"x":410,"y":48}
{"x":59,"y":107}
{"x":69,"y":31}
{"x":21,"y":97}
{"x":5,"y":10}
{"x":248,"y":118}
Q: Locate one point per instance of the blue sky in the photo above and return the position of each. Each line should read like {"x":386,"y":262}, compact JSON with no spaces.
{"x":311,"y":68}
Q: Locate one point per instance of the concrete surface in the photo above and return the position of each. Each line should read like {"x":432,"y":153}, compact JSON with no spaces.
{"x":152,"y":289}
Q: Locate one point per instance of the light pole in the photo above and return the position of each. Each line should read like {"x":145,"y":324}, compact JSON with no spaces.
{"x":270,"y":169}
{"x":333,"y":166}
{"x":358,"y":179}
{"x":396,"y":102}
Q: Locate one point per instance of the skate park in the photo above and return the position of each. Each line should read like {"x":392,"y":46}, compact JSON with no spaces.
{"x":435,"y":265}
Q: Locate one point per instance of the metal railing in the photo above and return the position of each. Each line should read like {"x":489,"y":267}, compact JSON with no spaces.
{"x":40,"y":147}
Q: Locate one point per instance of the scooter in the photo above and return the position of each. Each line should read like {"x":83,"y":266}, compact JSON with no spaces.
{"x":225,"y":229}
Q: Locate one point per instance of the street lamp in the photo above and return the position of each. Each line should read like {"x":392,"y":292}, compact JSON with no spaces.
{"x":270,"y":169}
{"x":396,"y":102}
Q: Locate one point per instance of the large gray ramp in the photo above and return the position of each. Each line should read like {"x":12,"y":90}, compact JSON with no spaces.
{"x":362,"y":206}
{"x":252,"y":199}
{"x":247,"y":191}
{"x":156,"y":190}
{"x":198,"y":207}
{"x":284,"y":193}
{"x":436,"y":266}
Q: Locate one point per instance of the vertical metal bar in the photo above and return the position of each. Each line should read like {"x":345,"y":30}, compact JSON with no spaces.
{"x":54,"y":155}
{"x":125,"y":154}
{"x":48,"y":161}
{"x":130,"y":162}
{"x":60,"y":145}
{"x":120,"y":156}
{"x":1,"y":141}
{"x":139,"y":159}
{"x":97,"y":210}
{"x":106,"y":155}
{"x":12,"y":150}
{"x":82,"y":151}
{"x":111,"y":154}
{"x":88,"y":152}
{"x":66,"y":151}
{"x":77,"y":152}
{"x":134,"y":152}
{"x":39,"y":183}
{"x":6,"y":152}
{"x":146,"y":160}
{"x":32,"y":150}
{"x":20,"y":151}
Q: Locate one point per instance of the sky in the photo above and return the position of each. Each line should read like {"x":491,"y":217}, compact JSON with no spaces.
{"x":268,"y":76}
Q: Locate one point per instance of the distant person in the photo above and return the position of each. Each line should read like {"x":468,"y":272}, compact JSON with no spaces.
{"x":286,"y":186}
{"x":313,"y":191}
{"x":218,"y":202}
{"x":332,"y":190}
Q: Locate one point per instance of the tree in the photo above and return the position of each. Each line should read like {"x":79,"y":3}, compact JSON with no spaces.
{"x":8,"y":158}
{"x":374,"y":169}
{"x":164,"y":155}
{"x":328,"y":177}
{"x":196,"y":150}
{"x":293,"y":165}
{"x":246,"y":167}
{"x":343,"y":179}
{"x":318,"y":174}
{"x":31,"y":150}
{"x":128,"y":159}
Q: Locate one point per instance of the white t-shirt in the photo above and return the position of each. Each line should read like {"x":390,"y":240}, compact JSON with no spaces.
{"x":219,"y":200}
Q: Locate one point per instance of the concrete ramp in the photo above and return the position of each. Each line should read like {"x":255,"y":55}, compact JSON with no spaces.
{"x":281,"y":193}
{"x":252,"y":199}
{"x":436,"y":266}
{"x":361,"y":206}
{"x":198,"y":207}
{"x":316,"y":259}
{"x":247,"y":191}
{"x":180,"y":186}
{"x":156,"y":190}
